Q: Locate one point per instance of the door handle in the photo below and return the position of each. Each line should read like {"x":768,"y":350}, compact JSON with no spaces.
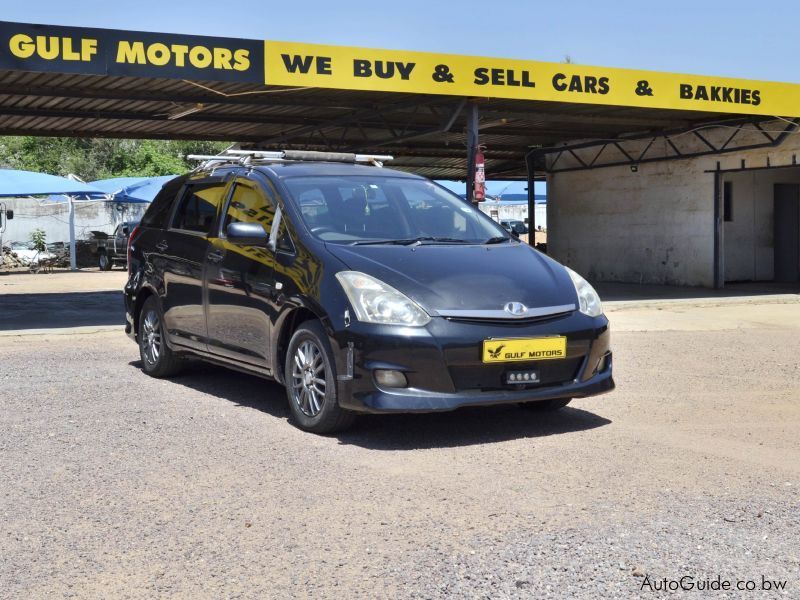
{"x":215,"y":256}
{"x":162,"y":246}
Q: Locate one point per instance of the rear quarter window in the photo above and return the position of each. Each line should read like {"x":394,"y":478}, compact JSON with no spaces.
{"x":160,"y":208}
{"x":197,"y":210}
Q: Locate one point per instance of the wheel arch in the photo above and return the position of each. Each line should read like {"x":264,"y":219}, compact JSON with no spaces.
{"x":141,"y":297}
{"x":286,"y":328}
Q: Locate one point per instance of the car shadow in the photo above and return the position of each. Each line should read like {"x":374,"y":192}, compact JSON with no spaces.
{"x":464,"y":427}
{"x":244,"y":390}
{"x":59,"y":310}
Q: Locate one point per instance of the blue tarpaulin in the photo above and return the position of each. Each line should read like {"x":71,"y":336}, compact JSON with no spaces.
{"x":27,"y":183}
{"x":132,"y":189}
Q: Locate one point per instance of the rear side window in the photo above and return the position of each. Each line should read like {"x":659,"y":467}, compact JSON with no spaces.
{"x":197,"y":209}
{"x":158,"y":211}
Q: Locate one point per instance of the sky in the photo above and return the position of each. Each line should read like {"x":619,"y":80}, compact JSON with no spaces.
{"x":752,"y":40}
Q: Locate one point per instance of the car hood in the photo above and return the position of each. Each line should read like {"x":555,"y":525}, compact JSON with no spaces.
{"x":468,"y":277}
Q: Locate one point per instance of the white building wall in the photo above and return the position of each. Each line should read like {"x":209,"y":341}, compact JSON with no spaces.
{"x":53,"y":218}
{"x":653,"y":226}
{"x":657,"y":225}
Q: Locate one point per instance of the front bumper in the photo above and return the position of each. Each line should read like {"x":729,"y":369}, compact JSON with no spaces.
{"x":443,"y":365}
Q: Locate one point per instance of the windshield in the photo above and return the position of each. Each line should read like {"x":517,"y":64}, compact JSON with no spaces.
{"x":353,"y":210}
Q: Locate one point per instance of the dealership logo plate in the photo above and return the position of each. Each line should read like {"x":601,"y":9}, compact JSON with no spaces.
{"x":511,"y":350}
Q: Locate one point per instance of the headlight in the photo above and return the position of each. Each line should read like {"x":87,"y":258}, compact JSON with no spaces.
{"x":588,"y":299}
{"x":376,"y":302}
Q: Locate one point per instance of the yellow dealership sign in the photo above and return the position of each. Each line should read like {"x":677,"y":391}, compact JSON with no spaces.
{"x":81,"y":50}
{"x":340,"y":67}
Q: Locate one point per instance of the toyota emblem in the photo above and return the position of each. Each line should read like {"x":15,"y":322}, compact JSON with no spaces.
{"x":515,"y":308}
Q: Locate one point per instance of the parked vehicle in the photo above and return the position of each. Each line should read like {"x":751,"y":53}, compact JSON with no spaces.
{"x":516,"y":227}
{"x":28,"y":255}
{"x":360,"y":289}
{"x":113,"y":249}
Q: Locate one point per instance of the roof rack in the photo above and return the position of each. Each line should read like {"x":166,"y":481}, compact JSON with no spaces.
{"x":248,"y":157}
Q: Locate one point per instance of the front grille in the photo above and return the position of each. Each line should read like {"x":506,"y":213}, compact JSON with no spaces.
{"x":492,"y":377}
{"x":493,"y":321}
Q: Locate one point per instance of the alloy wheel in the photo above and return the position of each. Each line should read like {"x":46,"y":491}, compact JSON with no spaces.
{"x":151,"y":337}
{"x":308,"y":378}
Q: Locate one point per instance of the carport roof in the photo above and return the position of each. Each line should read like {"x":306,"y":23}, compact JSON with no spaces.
{"x":92,"y":94}
{"x":409,"y":126}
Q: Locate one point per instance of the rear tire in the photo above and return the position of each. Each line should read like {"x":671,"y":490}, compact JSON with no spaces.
{"x":104,"y":262}
{"x":310,"y":377}
{"x":157,"y":358}
{"x":546,"y":405}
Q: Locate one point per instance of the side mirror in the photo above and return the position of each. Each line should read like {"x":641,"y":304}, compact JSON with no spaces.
{"x":9,"y":215}
{"x":125,"y":230}
{"x":247,"y":234}
{"x":514,"y":233}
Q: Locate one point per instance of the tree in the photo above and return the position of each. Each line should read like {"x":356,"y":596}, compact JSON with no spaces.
{"x":101,"y":158}
{"x":39,"y":239}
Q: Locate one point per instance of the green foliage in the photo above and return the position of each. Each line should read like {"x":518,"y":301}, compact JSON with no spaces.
{"x":39,"y":239}
{"x":100,"y":158}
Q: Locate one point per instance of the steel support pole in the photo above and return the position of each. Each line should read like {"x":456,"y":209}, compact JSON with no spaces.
{"x":530,"y":166}
{"x":473,"y":142}
{"x":719,"y":275}
{"x":73,"y":263}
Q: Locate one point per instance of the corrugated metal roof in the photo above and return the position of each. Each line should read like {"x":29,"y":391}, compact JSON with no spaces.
{"x":407,"y":125}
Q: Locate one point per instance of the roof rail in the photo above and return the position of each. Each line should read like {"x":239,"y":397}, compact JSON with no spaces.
{"x":246,"y":157}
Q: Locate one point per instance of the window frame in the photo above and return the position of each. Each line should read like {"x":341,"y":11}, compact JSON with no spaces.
{"x":270,"y":192}
{"x":172,"y":202}
{"x":225,"y":184}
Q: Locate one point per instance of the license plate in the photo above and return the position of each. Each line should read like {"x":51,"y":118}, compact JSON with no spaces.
{"x":511,"y":350}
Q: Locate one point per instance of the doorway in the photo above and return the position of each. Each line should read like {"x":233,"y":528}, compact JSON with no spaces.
{"x":759,"y":225}
{"x":787,"y":232}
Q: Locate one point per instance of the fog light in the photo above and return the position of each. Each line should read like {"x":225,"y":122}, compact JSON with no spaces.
{"x":602,"y":363}
{"x":390,"y":378}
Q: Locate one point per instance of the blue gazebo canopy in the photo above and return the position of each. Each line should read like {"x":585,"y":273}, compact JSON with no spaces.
{"x":132,"y":189}
{"x":27,"y":183}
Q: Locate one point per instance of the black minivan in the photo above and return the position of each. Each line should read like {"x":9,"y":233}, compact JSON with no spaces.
{"x":360,"y":289}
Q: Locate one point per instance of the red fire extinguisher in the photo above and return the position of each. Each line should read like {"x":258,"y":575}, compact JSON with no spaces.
{"x":480,"y":176}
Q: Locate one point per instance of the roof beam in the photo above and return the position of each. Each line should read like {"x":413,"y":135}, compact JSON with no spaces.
{"x":353,"y":119}
{"x":199,"y":117}
{"x":262,"y":96}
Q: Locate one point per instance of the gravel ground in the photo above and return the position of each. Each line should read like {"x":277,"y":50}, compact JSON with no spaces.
{"x":113,"y":484}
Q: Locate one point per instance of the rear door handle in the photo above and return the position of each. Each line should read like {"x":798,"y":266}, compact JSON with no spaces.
{"x":162,"y":246}
{"x":215,"y":256}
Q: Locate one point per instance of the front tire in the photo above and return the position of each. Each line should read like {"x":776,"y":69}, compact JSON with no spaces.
{"x":310,"y":378}
{"x":546,"y":405}
{"x":157,"y":358}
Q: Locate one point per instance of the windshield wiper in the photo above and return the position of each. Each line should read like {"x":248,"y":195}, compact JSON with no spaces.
{"x":497,"y":240}
{"x":410,"y":241}
{"x":379,"y":242}
{"x":441,"y":240}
